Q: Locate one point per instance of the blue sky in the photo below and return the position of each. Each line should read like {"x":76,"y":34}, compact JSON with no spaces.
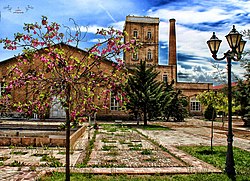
{"x":195,"y":22}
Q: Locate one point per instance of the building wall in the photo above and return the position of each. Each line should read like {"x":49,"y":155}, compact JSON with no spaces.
{"x":19,"y":95}
{"x":143,"y":26}
{"x":191,"y":90}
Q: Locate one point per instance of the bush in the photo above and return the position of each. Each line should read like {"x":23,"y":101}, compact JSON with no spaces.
{"x":210,"y":113}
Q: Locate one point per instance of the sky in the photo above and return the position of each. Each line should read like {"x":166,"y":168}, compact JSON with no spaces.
{"x":195,"y":22}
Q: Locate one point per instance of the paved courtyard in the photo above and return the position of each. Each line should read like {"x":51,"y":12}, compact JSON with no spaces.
{"x":127,"y":151}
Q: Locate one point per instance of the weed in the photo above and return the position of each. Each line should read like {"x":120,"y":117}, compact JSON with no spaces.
{"x":88,"y":150}
{"x":105,"y":140}
{"x":4,"y":158}
{"x":11,"y":147}
{"x":16,"y":163}
{"x":39,"y":154}
{"x":18,"y":152}
{"x":122,"y":141}
{"x":64,"y":152}
{"x":112,"y":161}
{"x":112,"y":129}
{"x":30,"y":147}
{"x":113,"y":153}
{"x":51,"y":161}
{"x":146,"y":152}
{"x":108,"y":147}
{"x":32,"y":168}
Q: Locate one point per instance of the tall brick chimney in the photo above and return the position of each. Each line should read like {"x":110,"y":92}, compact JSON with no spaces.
{"x":172,"y":43}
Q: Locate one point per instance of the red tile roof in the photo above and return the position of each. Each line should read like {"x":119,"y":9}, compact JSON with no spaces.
{"x":218,"y":87}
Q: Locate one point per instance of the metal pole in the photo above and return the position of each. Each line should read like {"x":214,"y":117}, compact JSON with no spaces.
{"x":230,"y":170}
{"x":68,"y":133}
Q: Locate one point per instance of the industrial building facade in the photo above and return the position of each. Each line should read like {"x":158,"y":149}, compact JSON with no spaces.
{"x":145,"y":30}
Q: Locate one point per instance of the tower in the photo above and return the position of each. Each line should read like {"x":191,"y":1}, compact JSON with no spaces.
{"x":172,"y":43}
{"x":146,"y":31}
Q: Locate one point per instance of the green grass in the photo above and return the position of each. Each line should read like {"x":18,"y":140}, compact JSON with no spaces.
{"x":218,"y":157}
{"x":109,"y":127}
{"x":154,"y":128}
{"x":90,"y":177}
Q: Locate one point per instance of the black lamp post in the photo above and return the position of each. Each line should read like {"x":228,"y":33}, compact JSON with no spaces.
{"x":236,"y":43}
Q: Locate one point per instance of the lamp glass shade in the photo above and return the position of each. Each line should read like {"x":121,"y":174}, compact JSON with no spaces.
{"x":214,"y":44}
{"x":241,"y":46}
{"x":233,"y":38}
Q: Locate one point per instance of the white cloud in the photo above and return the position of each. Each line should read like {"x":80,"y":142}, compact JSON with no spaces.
{"x":191,"y":15}
{"x":90,"y":29}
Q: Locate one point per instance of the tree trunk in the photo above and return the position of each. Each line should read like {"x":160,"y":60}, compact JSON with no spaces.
{"x":136,"y":118}
{"x":68,"y":132}
{"x":212,"y":129}
{"x":145,"y":116}
{"x":212,"y":135}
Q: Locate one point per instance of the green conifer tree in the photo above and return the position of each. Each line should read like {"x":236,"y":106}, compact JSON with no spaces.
{"x":144,"y":92}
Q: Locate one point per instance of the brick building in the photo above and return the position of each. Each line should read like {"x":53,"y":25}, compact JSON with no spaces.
{"x":145,"y":30}
{"x":56,"y":111}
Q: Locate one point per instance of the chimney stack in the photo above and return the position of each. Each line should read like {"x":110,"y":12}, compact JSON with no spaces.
{"x":172,"y":43}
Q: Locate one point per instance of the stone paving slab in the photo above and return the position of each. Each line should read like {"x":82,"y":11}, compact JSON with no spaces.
{"x":29,"y":159}
{"x":17,"y":174}
{"x":141,"y":171}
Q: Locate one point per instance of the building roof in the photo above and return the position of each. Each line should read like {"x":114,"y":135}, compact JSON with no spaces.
{"x":218,"y":87}
{"x":142,"y":19}
{"x":62,"y":44}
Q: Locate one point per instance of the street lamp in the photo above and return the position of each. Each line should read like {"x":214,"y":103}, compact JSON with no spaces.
{"x":236,"y":43}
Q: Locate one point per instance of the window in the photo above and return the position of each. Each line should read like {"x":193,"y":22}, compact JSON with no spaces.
{"x":149,"y":55}
{"x":114,"y":102}
{"x":135,"y":33}
{"x":2,"y":88}
{"x":149,"y":36}
{"x":57,"y":110}
{"x":135,"y":56}
{"x":165,"y":79}
{"x":195,"y":105}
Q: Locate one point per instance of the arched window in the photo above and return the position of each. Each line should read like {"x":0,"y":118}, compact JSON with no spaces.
{"x":57,"y":110}
{"x":2,"y":88}
{"x":149,"y":35}
{"x":114,"y":102}
{"x":165,"y":79}
{"x":135,"y":56}
{"x":135,"y":34}
{"x":195,"y":105}
{"x":149,"y":56}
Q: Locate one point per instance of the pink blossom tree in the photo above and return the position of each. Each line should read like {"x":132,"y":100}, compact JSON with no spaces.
{"x":51,"y":65}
